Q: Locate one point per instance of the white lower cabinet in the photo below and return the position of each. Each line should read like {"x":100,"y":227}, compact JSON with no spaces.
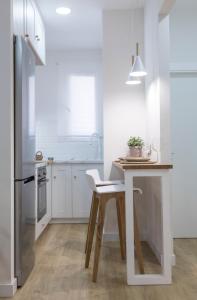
{"x":81,"y":193}
{"x":71,"y":196}
{"x":49,"y":190}
{"x":61,"y":191}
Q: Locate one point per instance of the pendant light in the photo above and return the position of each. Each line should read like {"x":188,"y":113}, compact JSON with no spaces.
{"x":133,"y":80}
{"x":138,"y":69}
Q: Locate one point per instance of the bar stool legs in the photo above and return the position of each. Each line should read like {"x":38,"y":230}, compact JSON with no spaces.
{"x":120,"y":205}
{"x":91,"y":229}
{"x":90,"y":218}
{"x":99,"y":236}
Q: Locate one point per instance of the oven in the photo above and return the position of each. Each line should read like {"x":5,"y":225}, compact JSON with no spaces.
{"x":42,"y":193}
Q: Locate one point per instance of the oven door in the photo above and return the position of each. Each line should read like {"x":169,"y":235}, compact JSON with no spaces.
{"x":42,"y":199}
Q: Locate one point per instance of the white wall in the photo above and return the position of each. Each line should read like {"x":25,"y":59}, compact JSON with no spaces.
{"x":7,"y":282}
{"x":124,"y":106}
{"x":152,"y":65}
{"x":164,"y":90}
{"x":158,"y":110}
{"x":53,"y":104}
{"x":157,"y":82}
{"x":183,"y":28}
{"x":152,"y":189}
{"x":18,"y":17}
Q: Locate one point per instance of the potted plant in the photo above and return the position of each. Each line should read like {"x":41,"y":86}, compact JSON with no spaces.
{"x":135,"y":146}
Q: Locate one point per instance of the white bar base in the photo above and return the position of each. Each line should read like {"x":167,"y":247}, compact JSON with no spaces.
{"x":167,"y":249}
{"x":114,"y":237}
{"x":149,"y":280}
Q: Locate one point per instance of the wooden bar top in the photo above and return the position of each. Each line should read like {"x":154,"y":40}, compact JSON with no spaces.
{"x":133,"y":166}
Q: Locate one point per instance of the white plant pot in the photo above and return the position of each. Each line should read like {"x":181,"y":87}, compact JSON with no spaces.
{"x":135,"y":151}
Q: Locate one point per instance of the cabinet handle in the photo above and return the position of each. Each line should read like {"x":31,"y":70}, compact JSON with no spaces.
{"x":37,"y":38}
{"x":54,"y":177}
{"x":75,"y":177}
{"x":26,"y":35}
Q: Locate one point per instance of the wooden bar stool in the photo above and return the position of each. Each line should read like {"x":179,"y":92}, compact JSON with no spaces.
{"x":95,"y":174}
{"x":101,"y":195}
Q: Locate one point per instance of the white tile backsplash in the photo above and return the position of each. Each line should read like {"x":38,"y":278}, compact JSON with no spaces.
{"x":67,"y":147}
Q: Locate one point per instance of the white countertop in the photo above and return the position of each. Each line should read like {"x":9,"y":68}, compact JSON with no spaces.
{"x":72,"y":162}
{"x":78,"y":162}
{"x":41,"y":163}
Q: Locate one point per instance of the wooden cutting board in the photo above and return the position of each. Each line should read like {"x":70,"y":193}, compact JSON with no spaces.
{"x":134,"y":159}
{"x":149,"y":162}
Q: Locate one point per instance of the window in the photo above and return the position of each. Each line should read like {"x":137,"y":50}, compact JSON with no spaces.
{"x":82,"y":105}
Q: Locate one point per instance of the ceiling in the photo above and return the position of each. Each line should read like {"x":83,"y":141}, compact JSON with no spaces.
{"x":82,"y":29}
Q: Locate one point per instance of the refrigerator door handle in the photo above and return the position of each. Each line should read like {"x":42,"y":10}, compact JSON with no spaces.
{"x":32,"y":178}
{"x":26,"y":180}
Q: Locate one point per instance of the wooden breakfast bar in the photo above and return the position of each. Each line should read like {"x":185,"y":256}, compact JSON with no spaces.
{"x":163,"y":171}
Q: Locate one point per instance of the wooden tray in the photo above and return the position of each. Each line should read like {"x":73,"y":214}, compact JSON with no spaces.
{"x":134,"y":159}
{"x":123,"y":162}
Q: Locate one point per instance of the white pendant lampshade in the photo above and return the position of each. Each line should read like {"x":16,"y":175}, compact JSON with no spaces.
{"x":133,"y":80}
{"x":138,"y":69}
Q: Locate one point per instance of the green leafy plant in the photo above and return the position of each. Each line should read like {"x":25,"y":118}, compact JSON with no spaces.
{"x":135,"y":142}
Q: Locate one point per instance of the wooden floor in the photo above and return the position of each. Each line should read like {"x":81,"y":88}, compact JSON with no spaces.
{"x":59,"y":272}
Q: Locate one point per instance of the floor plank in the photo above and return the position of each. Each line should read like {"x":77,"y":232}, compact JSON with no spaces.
{"x":59,"y":272}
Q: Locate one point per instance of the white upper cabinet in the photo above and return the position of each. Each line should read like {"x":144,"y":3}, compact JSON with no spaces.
{"x":35,"y":32}
{"x":30,"y":22}
{"x":40,"y":37}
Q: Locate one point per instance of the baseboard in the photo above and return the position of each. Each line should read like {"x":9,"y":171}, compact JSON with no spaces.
{"x":8,"y":290}
{"x":69,"y":221}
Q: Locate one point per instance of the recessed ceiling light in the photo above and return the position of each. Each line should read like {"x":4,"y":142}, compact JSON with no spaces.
{"x":63,"y":11}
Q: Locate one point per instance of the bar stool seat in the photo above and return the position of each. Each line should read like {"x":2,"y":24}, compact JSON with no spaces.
{"x":107,"y":189}
{"x":108,"y":182}
{"x":101,"y":195}
{"x":95,"y":174}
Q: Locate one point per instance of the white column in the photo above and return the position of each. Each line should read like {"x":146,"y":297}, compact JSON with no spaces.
{"x":166,"y":227}
{"x":129,"y":227}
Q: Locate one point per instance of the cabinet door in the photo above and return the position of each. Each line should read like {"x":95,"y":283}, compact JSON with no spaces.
{"x":49,"y":196}
{"x":30,"y":22}
{"x":40,"y":38}
{"x":82,"y":195}
{"x":61,"y":192}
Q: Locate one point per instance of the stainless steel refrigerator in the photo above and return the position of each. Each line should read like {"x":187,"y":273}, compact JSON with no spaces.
{"x":24,"y":127}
